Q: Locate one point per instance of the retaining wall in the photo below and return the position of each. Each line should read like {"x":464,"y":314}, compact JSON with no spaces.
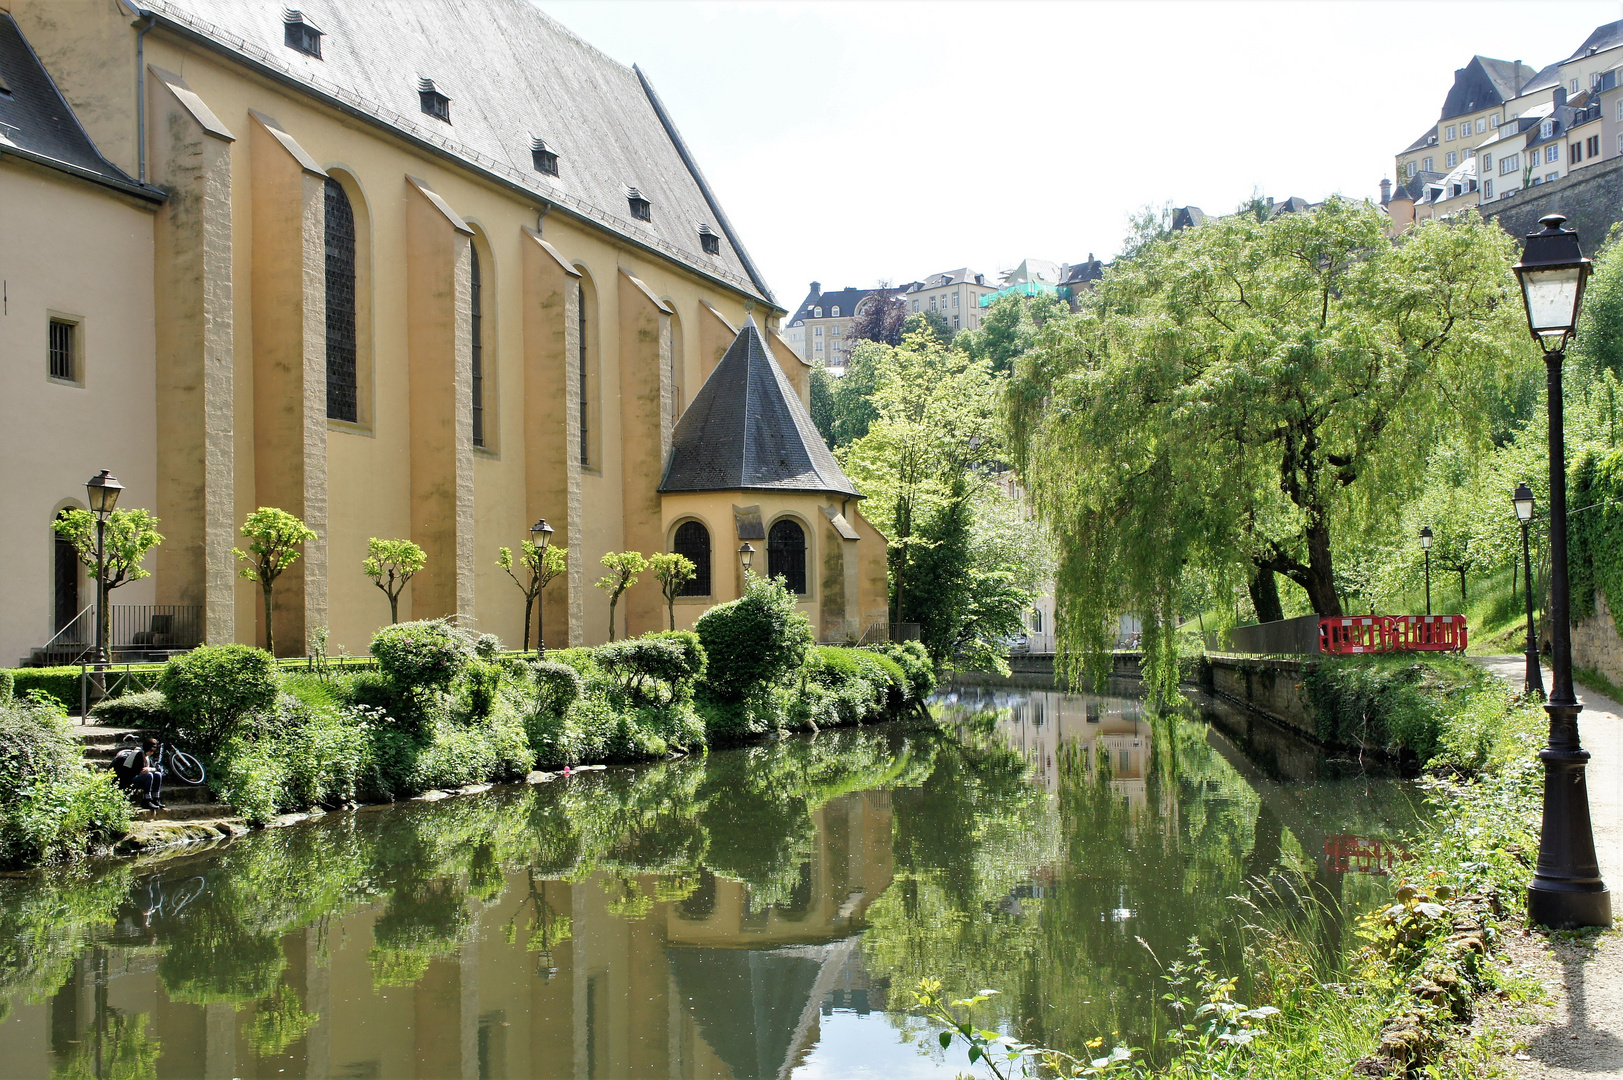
{"x":1596,"y":643}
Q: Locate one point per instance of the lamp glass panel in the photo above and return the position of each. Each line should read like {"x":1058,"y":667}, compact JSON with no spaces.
{"x":1524,"y":509}
{"x":1552,"y":299}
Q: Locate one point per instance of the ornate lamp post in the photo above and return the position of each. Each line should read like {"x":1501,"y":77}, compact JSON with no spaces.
{"x":541,"y":536}
{"x":1522,"y":499}
{"x":746,"y":556}
{"x":101,"y":492}
{"x":1567,"y":890}
{"x":1425,"y":545}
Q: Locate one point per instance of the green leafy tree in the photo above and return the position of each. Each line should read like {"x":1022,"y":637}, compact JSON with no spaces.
{"x":851,"y":405}
{"x":130,"y":534}
{"x":933,"y":321}
{"x":1239,"y":392}
{"x":821,"y":406}
{"x":674,"y":572}
{"x":274,"y":537}
{"x":540,"y":566}
{"x":623,"y":567}
{"x":390,"y":564}
{"x":1010,"y":328}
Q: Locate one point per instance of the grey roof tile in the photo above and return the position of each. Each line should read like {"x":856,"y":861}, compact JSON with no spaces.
{"x":746,"y":429}
{"x":512,"y":74}
{"x":36,"y":122}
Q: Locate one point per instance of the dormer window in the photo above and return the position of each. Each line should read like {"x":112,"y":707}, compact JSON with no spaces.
{"x":544,"y":157}
{"x":1546,"y":129}
{"x":641,"y":208}
{"x":433,"y":102}
{"x":817,"y":313}
{"x":709,"y":241}
{"x":298,"y":34}
{"x":836,"y":311}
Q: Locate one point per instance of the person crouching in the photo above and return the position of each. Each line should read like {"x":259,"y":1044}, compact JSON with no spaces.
{"x":140,"y":774}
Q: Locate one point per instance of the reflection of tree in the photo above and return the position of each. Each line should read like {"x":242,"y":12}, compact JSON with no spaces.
{"x":418,"y":925}
{"x":279,"y":1021}
{"x":123,"y":1050}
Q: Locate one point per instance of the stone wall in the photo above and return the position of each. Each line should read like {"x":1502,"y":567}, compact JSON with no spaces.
{"x":1592,"y":199}
{"x":1275,"y":688}
{"x":1596,"y":644}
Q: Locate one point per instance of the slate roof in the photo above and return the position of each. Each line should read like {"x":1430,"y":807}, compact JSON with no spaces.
{"x":1427,"y":138}
{"x":36,"y":123}
{"x":513,"y":74}
{"x":1604,"y":36}
{"x":747,"y":429}
{"x":1484,"y":83}
{"x":962,"y":275}
{"x":1185,"y":217}
{"x":1550,"y":76}
{"x":845,"y":299}
{"x":1083,"y":272}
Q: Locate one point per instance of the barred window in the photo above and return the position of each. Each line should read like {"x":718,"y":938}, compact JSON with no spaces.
{"x":693,"y":540}
{"x":580,"y":297}
{"x":786,"y":555}
{"x":342,"y":399}
{"x":64,"y":350}
{"x":478,"y":350}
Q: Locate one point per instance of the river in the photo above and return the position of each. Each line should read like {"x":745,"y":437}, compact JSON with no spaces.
{"x":760,"y":912}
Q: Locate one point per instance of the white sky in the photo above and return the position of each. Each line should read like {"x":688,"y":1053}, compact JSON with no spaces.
{"x":853,"y":142}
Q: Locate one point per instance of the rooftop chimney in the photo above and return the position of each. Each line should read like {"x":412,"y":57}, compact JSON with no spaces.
{"x":1386,"y":192}
{"x":817,"y":289}
{"x":1560,"y":96}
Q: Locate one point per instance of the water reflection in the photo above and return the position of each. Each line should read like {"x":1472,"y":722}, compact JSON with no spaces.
{"x":761,"y":912}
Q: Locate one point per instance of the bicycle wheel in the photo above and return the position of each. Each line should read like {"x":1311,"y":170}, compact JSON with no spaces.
{"x":187,"y":769}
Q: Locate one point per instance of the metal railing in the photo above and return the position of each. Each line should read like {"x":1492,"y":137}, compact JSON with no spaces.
{"x":147,"y":629}
{"x":75,"y":640}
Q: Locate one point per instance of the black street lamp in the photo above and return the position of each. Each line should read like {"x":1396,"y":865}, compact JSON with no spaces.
{"x":101,"y":491}
{"x":1522,"y":499}
{"x":1425,"y":545}
{"x":1567,"y":890}
{"x":746,"y":556}
{"x":541,"y":536}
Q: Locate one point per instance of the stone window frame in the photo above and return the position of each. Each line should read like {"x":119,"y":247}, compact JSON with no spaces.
{"x":810,"y":536}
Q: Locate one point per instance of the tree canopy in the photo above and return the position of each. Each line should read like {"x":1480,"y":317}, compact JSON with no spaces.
{"x":1237,"y":396}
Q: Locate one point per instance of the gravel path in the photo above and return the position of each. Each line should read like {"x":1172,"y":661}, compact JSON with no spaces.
{"x":1581,"y":1033}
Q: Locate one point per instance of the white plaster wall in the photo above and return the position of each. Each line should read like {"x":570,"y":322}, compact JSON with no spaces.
{"x":68,"y":247}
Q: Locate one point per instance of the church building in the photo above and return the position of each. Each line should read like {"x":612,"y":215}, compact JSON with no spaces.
{"x":419,"y":269}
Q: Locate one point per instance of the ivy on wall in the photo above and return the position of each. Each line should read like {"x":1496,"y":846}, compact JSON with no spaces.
{"x":1595,"y":530}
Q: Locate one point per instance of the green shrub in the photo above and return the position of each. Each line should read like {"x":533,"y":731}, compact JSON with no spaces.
{"x":428,"y":654}
{"x":146,"y":711}
{"x":655,"y":669}
{"x":7,"y":686}
{"x":251,"y":777}
{"x":754,"y":641}
{"x":213,"y":690}
{"x":62,"y":683}
{"x":914,"y":660}
{"x":315,"y":691}
{"x":889,"y":678}
{"x":51,"y":806}
{"x":1429,"y":711}
{"x":481,"y":679}
{"x":763,"y":709}
{"x":557,"y":686}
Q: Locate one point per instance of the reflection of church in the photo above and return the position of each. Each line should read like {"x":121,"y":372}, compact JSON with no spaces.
{"x":607,"y":976}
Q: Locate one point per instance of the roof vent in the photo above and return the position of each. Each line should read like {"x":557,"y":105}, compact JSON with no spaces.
{"x":433,"y":102}
{"x":709,"y":240}
{"x":544,"y":157}
{"x":641,"y":208}
{"x":299,"y":34}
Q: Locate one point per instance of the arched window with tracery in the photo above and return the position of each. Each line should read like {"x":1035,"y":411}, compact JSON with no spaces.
{"x":786,"y":554}
{"x":693,"y":540}
{"x":342,"y":398}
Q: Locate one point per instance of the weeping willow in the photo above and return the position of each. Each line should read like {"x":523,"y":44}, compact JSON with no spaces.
{"x":1236,"y":399}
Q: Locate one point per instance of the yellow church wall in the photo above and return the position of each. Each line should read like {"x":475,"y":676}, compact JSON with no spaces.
{"x":56,"y":435}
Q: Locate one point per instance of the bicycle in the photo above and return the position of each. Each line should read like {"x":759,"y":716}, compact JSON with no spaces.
{"x":177,"y":763}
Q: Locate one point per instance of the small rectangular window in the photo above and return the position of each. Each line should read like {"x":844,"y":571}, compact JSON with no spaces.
{"x":1481,"y":125}
{"x":300,"y":36}
{"x":1592,"y":146}
{"x":1575,"y":154}
{"x":544,"y":160}
{"x":1552,"y":153}
{"x":432,"y":102}
{"x":1426,"y":165}
{"x":1452,"y":159}
{"x":641,"y":208}
{"x":1487,"y":189}
{"x":64,"y":349}
{"x":1451,"y":135}
{"x":1552,"y":176}
{"x":711,"y":243}
{"x":1574,"y":86}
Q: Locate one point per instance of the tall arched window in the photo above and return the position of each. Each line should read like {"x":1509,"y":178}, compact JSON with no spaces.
{"x":474,"y":303}
{"x":786,"y":554}
{"x":693,"y":540}
{"x":340,"y":244}
{"x":580,"y":299}
{"x":65,"y":577}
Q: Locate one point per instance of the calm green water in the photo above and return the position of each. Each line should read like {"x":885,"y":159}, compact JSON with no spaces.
{"x":760,"y":913}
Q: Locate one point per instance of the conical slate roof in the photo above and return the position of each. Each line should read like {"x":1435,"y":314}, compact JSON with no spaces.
{"x":747,"y":429}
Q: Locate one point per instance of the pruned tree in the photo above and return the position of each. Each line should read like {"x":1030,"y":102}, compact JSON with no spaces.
{"x":623,"y":567}
{"x":674,"y":572}
{"x":539,"y":565}
{"x":129,"y":535}
{"x":274,"y":537}
{"x":390,"y":564}
{"x":1236,"y":394}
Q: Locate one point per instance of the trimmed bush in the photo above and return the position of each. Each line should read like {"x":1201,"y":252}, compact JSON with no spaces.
{"x":422,"y":655}
{"x":656,"y":669}
{"x":914,"y":660}
{"x":61,"y":683}
{"x":213,"y":690}
{"x":757,"y":640}
{"x":7,"y":687}
{"x":51,"y":806}
{"x":146,"y":711}
{"x":557,"y":686}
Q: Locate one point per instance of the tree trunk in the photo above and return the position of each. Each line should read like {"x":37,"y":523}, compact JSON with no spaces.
{"x":270,"y":640}
{"x":1320,"y":580}
{"x":670,"y":609}
{"x":394,"y":608}
{"x":1462,"y":586}
{"x":529,"y":609}
{"x":1264,"y":589}
{"x":613,"y":600}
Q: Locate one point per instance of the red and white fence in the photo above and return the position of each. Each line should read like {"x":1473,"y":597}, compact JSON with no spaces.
{"x":1348,"y":635}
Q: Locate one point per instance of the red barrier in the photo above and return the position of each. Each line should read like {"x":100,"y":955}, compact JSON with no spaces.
{"x":1353,"y":634}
